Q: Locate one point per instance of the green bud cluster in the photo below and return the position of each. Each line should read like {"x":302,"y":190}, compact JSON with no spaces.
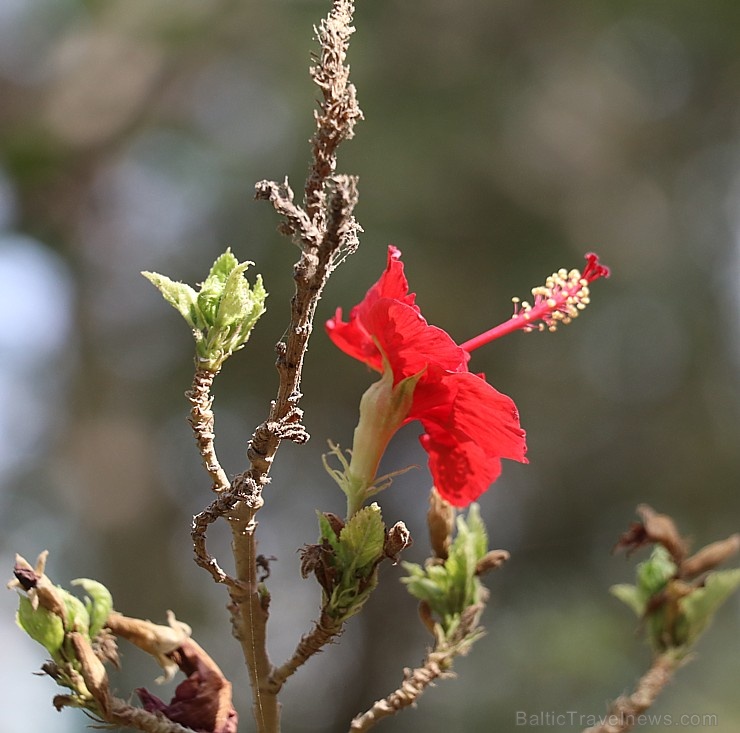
{"x":222,"y":313}
{"x":51,"y":615}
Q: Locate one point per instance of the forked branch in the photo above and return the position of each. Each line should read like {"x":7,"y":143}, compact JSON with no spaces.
{"x":326,"y":231}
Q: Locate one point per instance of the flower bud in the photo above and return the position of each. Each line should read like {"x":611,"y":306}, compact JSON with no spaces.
{"x":441,"y":523}
{"x":709,"y":557}
{"x":397,"y":538}
{"x":492,"y":560}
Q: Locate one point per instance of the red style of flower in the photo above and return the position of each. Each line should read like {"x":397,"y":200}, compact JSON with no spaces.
{"x":468,"y":425}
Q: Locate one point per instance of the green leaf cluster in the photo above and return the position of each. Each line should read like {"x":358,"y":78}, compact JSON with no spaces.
{"x":453,"y":586}
{"x":356,"y":552}
{"x":221,"y":313}
{"x":675,"y":612}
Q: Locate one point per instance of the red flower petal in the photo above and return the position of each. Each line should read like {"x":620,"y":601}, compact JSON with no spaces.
{"x":354,"y":340}
{"x":392,"y":284}
{"x":354,"y":337}
{"x":461,"y":470}
{"x":469,"y":425}
{"x":409,"y":343}
{"x":465,"y":403}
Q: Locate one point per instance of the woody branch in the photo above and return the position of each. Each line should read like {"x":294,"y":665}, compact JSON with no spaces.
{"x":325,"y":229}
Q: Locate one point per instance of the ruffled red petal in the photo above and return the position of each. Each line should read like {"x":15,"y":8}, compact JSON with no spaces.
{"x":391,"y":284}
{"x":469,"y":426}
{"x":354,"y":337}
{"x":465,"y":403}
{"x":461,"y":469}
{"x":409,"y":343}
{"x":354,"y":340}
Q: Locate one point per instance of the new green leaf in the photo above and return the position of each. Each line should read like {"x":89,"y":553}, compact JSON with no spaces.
{"x":181,"y":296}
{"x":222,"y":313}
{"x":363,"y":536}
{"x":41,"y":625}
{"x":98,"y":604}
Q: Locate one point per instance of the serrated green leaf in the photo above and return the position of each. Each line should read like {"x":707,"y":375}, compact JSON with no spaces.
{"x":99,"y":604}
{"x":425,"y":589}
{"x":41,"y":625}
{"x":631,"y":596}
{"x":364,"y":536}
{"x":222,"y":313}
{"x":223,"y":266}
{"x":253,"y":310}
{"x":212,"y":289}
{"x":452,"y":587}
{"x":181,"y":296}
{"x":478,"y":534}
{"x":235,"y":301}
{"x":699,"y":607}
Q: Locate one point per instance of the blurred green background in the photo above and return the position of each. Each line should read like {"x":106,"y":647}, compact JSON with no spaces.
{"x":503,"y":139}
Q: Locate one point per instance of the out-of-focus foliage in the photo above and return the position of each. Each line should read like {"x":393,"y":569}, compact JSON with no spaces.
{"x":503,"y":139}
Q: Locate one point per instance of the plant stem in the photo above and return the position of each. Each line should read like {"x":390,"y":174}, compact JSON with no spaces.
{"x":622,"y":713}
{"x":436,"y":666}
{"x":202,"y":421}
{"x":326,"y":231}
{"x":125,"y":715}
{"x":249,"y":614}
{"x":323,"y":632}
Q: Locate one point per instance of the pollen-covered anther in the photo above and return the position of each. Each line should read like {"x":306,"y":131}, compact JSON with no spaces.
{"x":563,"y":296}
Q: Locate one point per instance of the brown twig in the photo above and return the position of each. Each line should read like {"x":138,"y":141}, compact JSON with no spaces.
{"x":436,"y":666}
{"x":202,"y":421}
{"x":128,"y":716}
{"x":325,"y":231}
{"x":322,"y":633}
{"x":624,"y":711}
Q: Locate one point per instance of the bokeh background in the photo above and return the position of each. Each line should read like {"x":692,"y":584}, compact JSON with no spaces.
{"x":503,"y":139}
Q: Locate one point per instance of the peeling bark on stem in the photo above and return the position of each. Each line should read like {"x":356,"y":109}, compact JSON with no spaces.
{"x":249,"y":613}
{"x":202,"y":421}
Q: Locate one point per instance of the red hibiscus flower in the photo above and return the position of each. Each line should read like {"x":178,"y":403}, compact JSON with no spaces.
{"x":468,"y":425}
